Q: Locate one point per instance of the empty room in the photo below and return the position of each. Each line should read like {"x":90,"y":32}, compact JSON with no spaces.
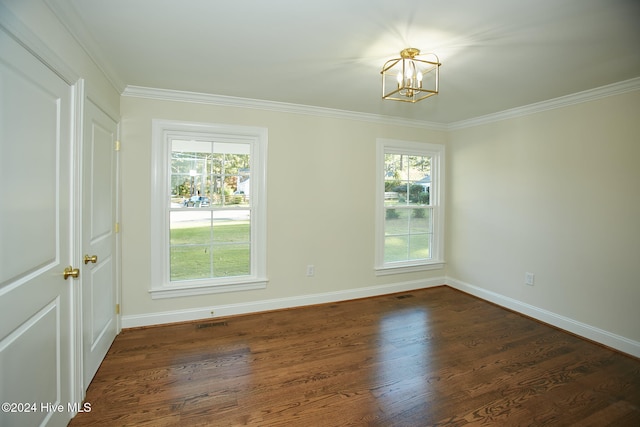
{"x":325,"y":213}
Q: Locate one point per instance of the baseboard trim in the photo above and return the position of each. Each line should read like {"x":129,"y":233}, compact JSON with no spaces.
{"x":159,"y":318}
{"x":584,"y":330}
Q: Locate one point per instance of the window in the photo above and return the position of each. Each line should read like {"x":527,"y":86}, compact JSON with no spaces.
{"x":409,"y":217}
{"x":208,"y":229}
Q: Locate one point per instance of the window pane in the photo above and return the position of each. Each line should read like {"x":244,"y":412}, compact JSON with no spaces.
{"x":231,"y":174}
{"x":420,"y":220}
{"x":419,"y":179}
{"x":191,"y":227}
{"x":190,"y":166}
{"x":393,"y":186}
{"x":231,"y":227}
{"x":190,"y":245}
{"x":396,"y":221}
{"x":232,"y":243}
{"x":407,"y":179}
{"x":190,"y":262}
{"x":216,"y":190}
{"x":419,"y":246}
{"x":396,"y":248}
{"x":232,"y":260}
{"x":415,"y":168}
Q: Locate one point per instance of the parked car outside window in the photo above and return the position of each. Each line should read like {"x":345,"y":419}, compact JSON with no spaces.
{"x":197,"y":201}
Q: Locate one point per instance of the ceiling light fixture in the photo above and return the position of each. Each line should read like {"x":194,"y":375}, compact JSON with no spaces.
{"x":410,"y":79}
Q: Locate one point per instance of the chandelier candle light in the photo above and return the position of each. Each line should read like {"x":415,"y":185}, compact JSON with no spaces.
{"x":410,"y":79}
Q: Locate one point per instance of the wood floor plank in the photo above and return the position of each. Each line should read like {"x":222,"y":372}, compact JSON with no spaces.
{"x":429,"y":357}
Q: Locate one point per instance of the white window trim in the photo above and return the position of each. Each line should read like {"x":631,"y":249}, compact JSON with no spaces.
{"x":162,"y":132}
{"x":436,"y":151}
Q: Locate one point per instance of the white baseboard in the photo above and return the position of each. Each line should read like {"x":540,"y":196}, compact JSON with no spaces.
{"x":138,"y":320}
{"x":584,"y":330}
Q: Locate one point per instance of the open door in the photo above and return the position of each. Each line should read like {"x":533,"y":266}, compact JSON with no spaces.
{"x":36,"y":238}
{"x":99,"y":278}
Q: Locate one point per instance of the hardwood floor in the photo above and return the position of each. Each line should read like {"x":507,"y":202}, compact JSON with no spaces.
{"x":430,"y":357}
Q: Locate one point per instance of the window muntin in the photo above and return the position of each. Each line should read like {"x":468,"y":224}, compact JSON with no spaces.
{"x":409,"y":219}
{"x":209,"y":187}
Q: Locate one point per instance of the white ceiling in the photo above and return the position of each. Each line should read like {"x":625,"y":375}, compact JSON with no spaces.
{"x":495,"y":54}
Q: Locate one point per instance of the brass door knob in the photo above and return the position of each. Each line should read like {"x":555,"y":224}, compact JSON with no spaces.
{"x":70,"y":271}
{"x":90,"y":258}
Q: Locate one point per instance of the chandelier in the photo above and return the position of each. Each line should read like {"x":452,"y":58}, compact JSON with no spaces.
{"x":408,"y":78}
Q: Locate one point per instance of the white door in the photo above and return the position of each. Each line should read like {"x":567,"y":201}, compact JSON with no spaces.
{"x":36,"y":342}
{"x":99,"y":321}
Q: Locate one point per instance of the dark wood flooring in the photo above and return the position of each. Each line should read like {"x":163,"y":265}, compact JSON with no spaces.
{"x":430,"y":357}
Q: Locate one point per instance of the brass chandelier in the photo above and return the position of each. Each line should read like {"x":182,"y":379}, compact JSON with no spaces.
{"x":410,"y":79}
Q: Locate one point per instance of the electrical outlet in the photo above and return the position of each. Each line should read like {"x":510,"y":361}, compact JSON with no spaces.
{"x":311,"y":270}
{"x":529,"y":279}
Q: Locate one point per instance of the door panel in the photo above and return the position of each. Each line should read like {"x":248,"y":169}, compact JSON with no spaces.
{"x":98,"y":223}
{"x":101,"y":300}
{"x":23,"y":347}
{"x":35,"y":238}
{"x":28,"y":173}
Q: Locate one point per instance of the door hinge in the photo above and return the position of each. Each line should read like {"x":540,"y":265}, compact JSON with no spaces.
{"x":117,"y":308}
{"x":117,"y":147}
{"x":116,"y":227}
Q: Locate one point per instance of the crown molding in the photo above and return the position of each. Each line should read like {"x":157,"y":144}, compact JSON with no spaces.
{"x":563,"y":101}
{"x":281,"y":107}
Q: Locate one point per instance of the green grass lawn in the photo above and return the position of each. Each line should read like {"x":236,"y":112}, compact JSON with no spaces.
{"x":403,"y":248}
{"x":206,"y":252}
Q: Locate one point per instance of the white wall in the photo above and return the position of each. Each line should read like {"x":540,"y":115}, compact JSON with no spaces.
{"x":321,"y":197}
{"x":556,"y":193}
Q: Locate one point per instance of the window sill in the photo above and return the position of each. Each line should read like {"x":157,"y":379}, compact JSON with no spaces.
{"x":383,"y":271}
{"x":177,"y":291}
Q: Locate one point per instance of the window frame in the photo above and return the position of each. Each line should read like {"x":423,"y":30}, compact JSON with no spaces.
{"x":436,"y":203}
{"x":163,"y":133}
